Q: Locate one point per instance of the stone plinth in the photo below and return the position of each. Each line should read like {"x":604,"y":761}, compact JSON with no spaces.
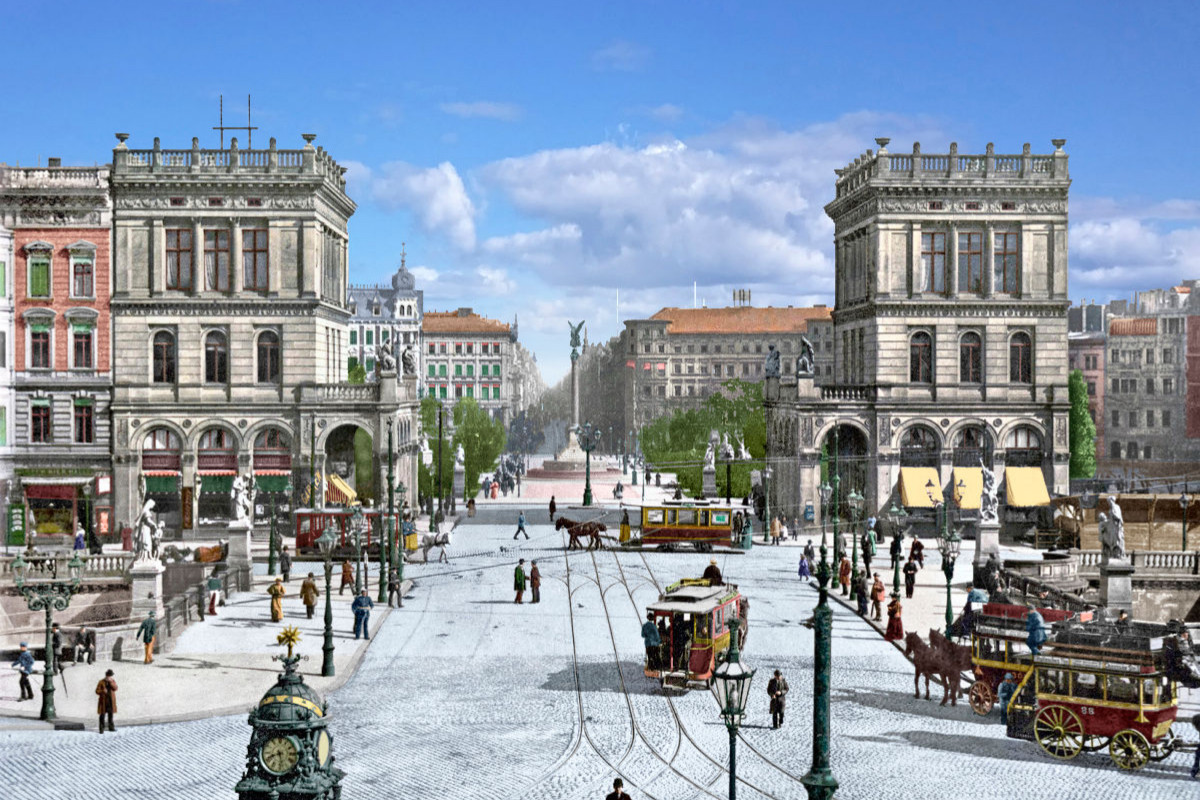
{"x":459,"y":486}
{"x":147,"y":589}
{"x":806,"y":388}
{"x":987,"y":543}
{"x":1116,"y":585}
{"x":708,"y":482}
{"x":571,"y":459}
{"x":239,"y":556}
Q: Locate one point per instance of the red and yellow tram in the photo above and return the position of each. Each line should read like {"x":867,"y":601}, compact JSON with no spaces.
{"x":311,"y":523}
{"x":684,"y":522}
{"x":696,"y":622}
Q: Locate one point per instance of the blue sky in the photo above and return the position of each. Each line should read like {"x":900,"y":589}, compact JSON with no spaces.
{"x":538,"y":158}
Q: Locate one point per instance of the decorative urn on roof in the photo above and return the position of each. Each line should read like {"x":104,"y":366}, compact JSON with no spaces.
{"x":291,"y":751}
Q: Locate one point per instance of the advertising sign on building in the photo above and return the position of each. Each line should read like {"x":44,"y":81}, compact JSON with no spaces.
{"x":16,"y":524}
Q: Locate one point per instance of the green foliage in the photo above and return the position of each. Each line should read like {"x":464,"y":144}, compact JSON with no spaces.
{"x":1081,"y":427}
{"x":364,"y":465}
{"x":677,"y":442}
{"x":482,"y":439}
{"x":356,"y":373}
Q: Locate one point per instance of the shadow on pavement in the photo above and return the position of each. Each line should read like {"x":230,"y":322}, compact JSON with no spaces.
{"x":602,"y":677}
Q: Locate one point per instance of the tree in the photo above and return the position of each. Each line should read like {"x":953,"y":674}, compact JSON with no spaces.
{"x":1082,"y":428}
{"x":482,"y":439}
{"x":356,"y":372}
{"x":427,"y":474}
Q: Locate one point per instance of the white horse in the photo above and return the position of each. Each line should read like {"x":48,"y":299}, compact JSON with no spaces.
{"x":432,"y":540}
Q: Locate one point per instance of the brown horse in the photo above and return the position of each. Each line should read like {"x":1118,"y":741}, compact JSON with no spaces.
{"x":577,"y":530}
{"x":959,"y":655}
{"x":929,"y":661}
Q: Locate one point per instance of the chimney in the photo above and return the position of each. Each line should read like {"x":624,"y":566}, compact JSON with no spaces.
{"x":53,"y":162}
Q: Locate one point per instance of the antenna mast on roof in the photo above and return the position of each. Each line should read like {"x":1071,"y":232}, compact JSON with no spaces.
{"x":248,"y":128}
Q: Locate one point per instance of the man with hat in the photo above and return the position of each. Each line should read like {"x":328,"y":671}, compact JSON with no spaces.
{"x":24,"y":665}
{"x":519,"y":580}
{"x":309,"y":594}
{"x":1004,"y":693}
{"x":652,"y":640}
{"x":146,"y":633}
{"x":712,"y":574}
{"x":106,"y":702}
{"x":618,"y":792}
{"x":361,"y":607}
{"x":777,"y":689}
{"x":535,"y":582}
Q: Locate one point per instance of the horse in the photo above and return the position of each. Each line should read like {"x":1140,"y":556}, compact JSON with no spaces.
{"x":960,"y":656}
{"x":929,"y":661}
{"x":432,"y":540}
{"x":576,"y":530}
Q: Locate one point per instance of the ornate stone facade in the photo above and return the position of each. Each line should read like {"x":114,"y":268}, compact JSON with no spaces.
{"x":949,"y":328}
{"x":386,"y":315}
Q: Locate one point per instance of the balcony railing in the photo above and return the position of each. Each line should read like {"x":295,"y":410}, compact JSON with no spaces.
{"x":340,"y":392}
{"x":213,"y":461}
{"x":54,"y":177}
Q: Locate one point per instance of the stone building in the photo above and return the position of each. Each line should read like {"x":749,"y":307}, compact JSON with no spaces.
{"x":385,"y":315}
{"x":679,"y":356}
{"x":467,"y":355}
{"x":230,"y":326}
{"x":1086,"y":352}
{"x":949,"y":332}
{"x":7,"y":390}
{"x":57,"y":247}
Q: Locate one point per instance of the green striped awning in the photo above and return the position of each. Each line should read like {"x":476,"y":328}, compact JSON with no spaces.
{"x":271,"y":483}
{"x":162,"y":484}
{"x":216,"y":483}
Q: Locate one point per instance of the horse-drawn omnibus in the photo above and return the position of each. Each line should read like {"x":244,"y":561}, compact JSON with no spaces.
{"x":311,"y":523}
{"x":695,"y":622}
{"x":687,"y":522}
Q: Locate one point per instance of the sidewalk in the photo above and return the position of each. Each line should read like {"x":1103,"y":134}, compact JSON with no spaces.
{"x":220,"y":666}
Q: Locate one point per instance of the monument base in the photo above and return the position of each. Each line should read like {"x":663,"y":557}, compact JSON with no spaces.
{"x":146,"y":579}
{"x":239,"y":559}
{"x":708,"y":481}
{"x":459,"y":486}
{"x":987,"y":543}
{"x":1116,"y":585}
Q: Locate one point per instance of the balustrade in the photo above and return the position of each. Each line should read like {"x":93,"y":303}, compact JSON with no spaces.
{"x":888,"y":165}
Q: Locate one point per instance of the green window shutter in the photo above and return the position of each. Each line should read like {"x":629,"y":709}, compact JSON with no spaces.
{"x":483,"y":370}
{"x":432,"y":370}
{"x":470,"y":370}
{"x":442,"y":370}
{"x":271,"y":483}
{"x":39,"y":278}
{"x":458,"y":369}
{"x":353,"y":337}
{"x":384,"y":338}
{"x":370,"y":337}
{"x":163,"y":484}
{"x":370,"y":365}
{"x":470,"y":391}
{"x":443,"y":392}
{"x":3,"y":426}
{"x":3,"y":279}
{"x":495,"y":370}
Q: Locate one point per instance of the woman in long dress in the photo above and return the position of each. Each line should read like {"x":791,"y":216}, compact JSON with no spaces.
{"x":277,"y":592}
{"x":895,"y":628}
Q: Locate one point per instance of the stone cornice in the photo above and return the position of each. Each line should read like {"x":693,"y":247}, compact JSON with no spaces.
{"x":908,"y":200}
{"x":954,"y":307}
{"x":228,"y":307}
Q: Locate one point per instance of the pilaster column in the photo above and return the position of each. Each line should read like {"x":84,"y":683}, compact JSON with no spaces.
{"x":156,"y":257}
{"x":197,"y":258}
{"x":235,"y":255}
{"x":952,"y":257}
{"x":989,"y":260}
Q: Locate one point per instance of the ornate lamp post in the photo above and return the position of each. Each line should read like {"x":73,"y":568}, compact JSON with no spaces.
{"x":897,"y":515}
{"x":327,"y":541}
{"x":825,"y":491}
{"x":1184,"y":502}
{"x":589,"y":437}
{"x":87,"y":511}
{"x":271,"y":545}
{"x":856,"y":501}
{"x":819,"y":781}
{"x":383,"y":560}
{"x":357,"y":524}
{"x":48,"y":596}
{"x":390,"y":525}
{"x":948,"y":545}
{"x":766,"y":476}
{"x":732,"y":683}
{"x":436,"y":512}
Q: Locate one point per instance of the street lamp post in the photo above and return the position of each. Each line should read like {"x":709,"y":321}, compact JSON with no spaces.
{"x":327,"y":541}
{"x":856,"y":501}
{"x":271,"y":546}
{"x":589,"y":437}
{"x":48,"y":596}
{"x":732,"y":682}
{"x":819,"y":781}
{"x":897,"y":515}
{"x":1184,"y":502}
{"x":826,"y":491}
{"x":390,"y":525}
{"x":356,"y":529}
{"x":87,"y":512}
{"x":948,"y":545}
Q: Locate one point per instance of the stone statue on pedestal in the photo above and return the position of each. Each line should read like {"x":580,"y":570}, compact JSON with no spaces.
{"x":804,"y":364}
{"x":409,"y":359}
{"x":771,"y":370}
{"x":243,"y":493}
{"x":1112,"y":533}
{"x":387,"y":357}
{"x":143,"y":533}
{"x":989,"y":505}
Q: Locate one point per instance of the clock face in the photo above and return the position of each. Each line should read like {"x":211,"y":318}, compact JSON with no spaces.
{"x":323,"y":748}
{"x":279,"y":755}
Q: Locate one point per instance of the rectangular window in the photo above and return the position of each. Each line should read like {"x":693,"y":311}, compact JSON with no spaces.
{"x":484,"y":348}
{"x":254,"y":260}
{"x":1116,"y":418}
{"x":1007,"y":277}
{"x":458,"y":390}
{"x":1133,"y":419}
{"x":1116,"y":386}
{"x":458,"y":370}
{"x":3,"y":279}
{"x":442,"y":393}
{"x":442,"y":370}
{"x":39,"y":423}
{"x":85,"y":429}
{"x":970,"y":262}
{"x":1149,"y":418}
{"x":458,"y":348}
{"x":353,"y":336}
{"x":216,"y":261}
{"x":483,"y":370}
{"x":82,"y":340}
{"x":495,"y":348}
{"x":1168,"y":355}
{"x":39,"y":348}
{"x":432,"y":349}
{"x":370,"y":336}
{"x":1166,"y":418}
{"x":470,"y":348}
{"x":384,"y":335}
{"x":442,"y":348}
{"x":3,"y":426}
{"x":82,"y":283}
{"x":1149,"y":356}
{"x":370,"y":366}
{"x":1091,"y":388}
{"x":495,"y":370}
{"x":470,"y":370}
{"x":1168,"y":386}
{"x":432,"y":370}
{"x":678,"y":390}
{"x":470,"y":391}
{"x":1149,"y":385}
{"x":39,"y":276}
{"x":496,"y":392}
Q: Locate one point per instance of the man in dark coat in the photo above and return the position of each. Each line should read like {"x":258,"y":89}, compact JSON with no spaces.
{"x":910,"y":576}
{"x":535,"y":582}
{"x":84,"y":643}
{"x":1004,"y":693}
{"x":347,"y":578}
{"x":712,"y":574}
{"x":861,"y":594}
{"x":777,"y":689}
{"x":618,"y":792}
{"x":146,"y":633}
{"x":361,"y":607}
{"x":24,"y":667}
{"x":285,"y":564}
{"x":57,"y":646}
{"x":106,"y":699}
{"x":652,"y":641}
{"x":553,"y":508}
{"x":309,"y":594}
{"x":519,"y":580}
{"x":393,"y":588}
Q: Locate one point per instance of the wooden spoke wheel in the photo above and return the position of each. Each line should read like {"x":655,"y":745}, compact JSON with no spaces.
{"x":1059,"y":732}
{"x":1129,"y":749}
{"x":982,"y":698}
{"x":1163,"y":748}
{"x":1092,"y":744}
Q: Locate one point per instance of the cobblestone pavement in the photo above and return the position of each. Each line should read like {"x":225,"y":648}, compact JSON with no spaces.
{"x":464,"y":694}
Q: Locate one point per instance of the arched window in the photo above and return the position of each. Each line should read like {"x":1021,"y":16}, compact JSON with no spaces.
{"x":1020,"y":358}
{"x":216,"y":358}
{"x":1114,"y":450}
{"x":215,"y":439}
{"x":1131,"y":451}
{"x":971,"y":445}
{"x":1024,"y":437}
{"x":271,"y":439}
{"x":268,"y":357}
{"x":970,"y":358}
{"x":160,"y":439}
{"x":164,"y":357}
{"x":919,"y":447}
{"x":920,"y":358}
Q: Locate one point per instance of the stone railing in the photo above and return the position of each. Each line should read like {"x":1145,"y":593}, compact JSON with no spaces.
{"x":1171,"y":562}
{"x":1023,"y":588}
{"x":340,"y":392}
{"x":54,"y":177}
{"x":885,"y":165}
{"x":308,"y":160}
{"x":860,"y":393}
{"x":105,"y":566}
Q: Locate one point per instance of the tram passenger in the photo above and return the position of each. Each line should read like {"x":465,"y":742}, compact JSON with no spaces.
{"x":652,"y":641}
{"x":1035,"y":626}
{"x":712,"y":574}
{"x":1004,"y":693}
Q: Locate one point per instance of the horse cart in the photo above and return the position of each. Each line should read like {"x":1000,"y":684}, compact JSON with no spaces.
{"x":696,"y":621}
{"x":1099,"y":686}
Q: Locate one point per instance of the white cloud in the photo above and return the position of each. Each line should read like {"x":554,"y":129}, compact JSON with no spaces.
{"x":622,"y":56}
{"x":506,"y":112}
{"x":435,"y":196}
{"x":494,"y":281}
{"x":667,"y":112}
{"x":425,"y":276}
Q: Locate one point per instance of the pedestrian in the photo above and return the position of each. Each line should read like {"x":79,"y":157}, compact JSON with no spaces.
{"x":618,"y":793}
{"x":106,"y":702}
{"x":495,"y":489}
{"x":1035,"y":626}
{"x":553,"y":508}
{"x":777,"y":689}
{"x":146,"y":633}
{"x":24,"y":666}
{"x":285,"y":564}
{"x":910,"y":576}
{"x":214,"y":591}
{"x":917,"y":551}
{"x":519,"y":580}
{"x":347,"y":578}
{"x":897,"y":550}
{"x":805,"y":568}
{"x":810,"y":553}
{"x":84,"y":644}
{"x":712,"y":574}
{"x":535,"y":583}
{"x":521,"y":525}
{"x":652,"y":640}
{"x":795,"y":529}
{"x":56,"y":647}
{"x":1195,"y":771}
{"x":309,"y":594}
{"x":361,"y":607}
{"x":277,"y":592}
{"x":878,"y":593}
{"x":776,"y":525}
{"x":867,"y":545}
{"x":861,"y":591}
{"x":1004,"y":693}
{"x":844,"y":570}
{"x":783,"y":530}
{"x":393,"y":587}
{"x":895,"y":627}
{"x":79,"y":539}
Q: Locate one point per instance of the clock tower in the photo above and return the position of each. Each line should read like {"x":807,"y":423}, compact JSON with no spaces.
{"x":290,"y":756}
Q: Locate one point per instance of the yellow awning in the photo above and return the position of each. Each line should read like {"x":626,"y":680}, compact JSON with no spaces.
{"x":337,"y":490}
{"x":1026,"y":487}
{"x":967,"y":495}
{"x":913,"y":483}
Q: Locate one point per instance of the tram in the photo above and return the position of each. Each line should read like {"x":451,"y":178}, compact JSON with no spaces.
{"x":311,"y":523}
{"x":696,"y":621}
{"x":677,"y":523}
